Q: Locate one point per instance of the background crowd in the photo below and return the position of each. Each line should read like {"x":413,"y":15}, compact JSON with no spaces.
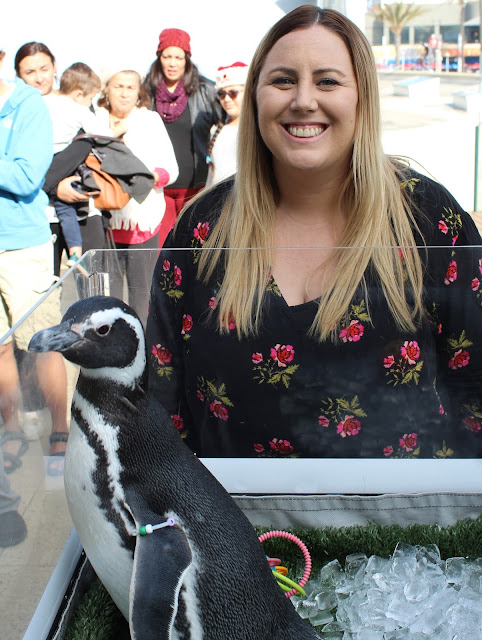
{"x":156,"y":137}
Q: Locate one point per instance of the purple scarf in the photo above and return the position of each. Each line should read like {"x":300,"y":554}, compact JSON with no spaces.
{"x":170,"y":105}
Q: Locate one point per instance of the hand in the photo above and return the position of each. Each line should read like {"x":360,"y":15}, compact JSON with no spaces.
{"x":67,"y":193}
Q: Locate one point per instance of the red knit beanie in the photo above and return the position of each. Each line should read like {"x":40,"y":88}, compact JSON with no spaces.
{"x":174,"y":38}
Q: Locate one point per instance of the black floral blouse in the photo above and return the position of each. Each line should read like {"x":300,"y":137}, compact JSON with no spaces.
{"x":380,"y":392}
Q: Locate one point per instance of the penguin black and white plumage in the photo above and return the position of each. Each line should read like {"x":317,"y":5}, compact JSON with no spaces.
{"x":205,"y":577}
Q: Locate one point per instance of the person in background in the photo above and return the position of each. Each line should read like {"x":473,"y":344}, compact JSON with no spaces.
{"x":71,"y":114}
{"x":26,"y":266}
{"x":13,"y":529}
{"x":123,"y":108}
{"x":223,"y":144}
{"x":325,"y":303}
{"x":35,"y":64}
{"x":186,"y":102}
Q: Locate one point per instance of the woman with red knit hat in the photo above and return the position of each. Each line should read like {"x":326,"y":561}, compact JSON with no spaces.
{"x":186,"y":101}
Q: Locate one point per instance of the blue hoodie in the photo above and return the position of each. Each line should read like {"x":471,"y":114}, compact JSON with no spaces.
{"x":26,"y":150}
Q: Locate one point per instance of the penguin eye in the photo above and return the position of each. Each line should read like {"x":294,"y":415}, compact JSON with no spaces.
{"x":103,"y":330}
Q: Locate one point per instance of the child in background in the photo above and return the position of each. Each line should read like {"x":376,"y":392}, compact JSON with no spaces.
{"x":70,"y":110}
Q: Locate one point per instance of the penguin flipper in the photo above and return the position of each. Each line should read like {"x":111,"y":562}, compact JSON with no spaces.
{"x":160,"y":561}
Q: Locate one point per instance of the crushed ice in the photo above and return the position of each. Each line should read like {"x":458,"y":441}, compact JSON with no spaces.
{"x":414,"y":595}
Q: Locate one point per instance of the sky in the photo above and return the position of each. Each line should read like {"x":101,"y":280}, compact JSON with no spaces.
{"x":110,"y":36}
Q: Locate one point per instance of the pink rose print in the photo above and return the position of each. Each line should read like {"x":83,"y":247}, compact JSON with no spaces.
{"x":353,"y":333}
{"x":162,"y":355}
{"x":461,"y":359}
{"x":409,"y":442}
{"x":177,"y":275}
{"x":480,"y":265}
{"x":410,"y":351}
{"x":451,"y":274}
{"x":213,"y":303}
{"x":282,"y":354}
{"x":442,"y":226}
{"x":454,"y":239}
{"x":186,"y":324}
{"x":282,"y":446}
{"x":387,"y":451}
{"x":388,"y":362}
{"x":178,"y":421}
{"x":475,"y":284}
{"x":472,"y":424}
{"x":258,"y":448}
{"x":200,"y":395}
{"x":350,"y":426}
{"x":439,"y":328}
{"x":441,"y":410}
{"x":166,"y":265}
{"x":201,"y":231}
{"x":219,"y":410}
{"x":323,"y":420}
{"x":257,"y":357}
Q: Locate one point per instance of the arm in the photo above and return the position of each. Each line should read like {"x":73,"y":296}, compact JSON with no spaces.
{"x":170,"y":282}
{"x":158,"y":155}
{"x":454,"y":294}
{"x":23,"y":169}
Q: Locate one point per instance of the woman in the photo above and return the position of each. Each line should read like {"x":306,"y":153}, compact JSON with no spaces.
{"x":26,"y":264}
{"x":316,"y":350}
{"x":138,"y":225}
{"x":186,"y":102}
{"x":222,"y":147}
{"x":35,"y":65}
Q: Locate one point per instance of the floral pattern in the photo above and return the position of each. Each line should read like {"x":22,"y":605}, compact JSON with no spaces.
{"x":344,"y":414}
{"x":376,"y":391}
{"x":277,"y":368}
{"x":406,"y":367}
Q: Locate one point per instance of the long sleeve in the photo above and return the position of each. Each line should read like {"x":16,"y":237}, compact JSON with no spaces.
{"x":148,"y":139}
{"x":454,"y":304}
{"x":165,"y":340}
{"x":28,"y":157}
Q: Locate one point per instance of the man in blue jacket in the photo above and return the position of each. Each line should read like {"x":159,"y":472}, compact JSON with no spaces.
{"x":26,"y":273}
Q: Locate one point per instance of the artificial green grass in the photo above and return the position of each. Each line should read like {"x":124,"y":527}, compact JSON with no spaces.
{"x":97,"y":617}
{"x":463,"y":539}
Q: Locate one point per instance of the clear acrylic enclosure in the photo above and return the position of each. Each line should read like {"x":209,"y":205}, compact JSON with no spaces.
{"x":366,"y":488}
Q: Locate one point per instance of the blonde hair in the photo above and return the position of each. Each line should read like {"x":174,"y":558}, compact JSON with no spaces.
{"x":378,"y":207}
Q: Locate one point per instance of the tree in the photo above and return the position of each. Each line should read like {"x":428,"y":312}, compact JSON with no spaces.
{"x":397,"y":15}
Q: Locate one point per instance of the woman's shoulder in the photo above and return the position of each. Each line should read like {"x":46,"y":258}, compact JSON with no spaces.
{"x":199,"y":218}
{"x":440,"y":218}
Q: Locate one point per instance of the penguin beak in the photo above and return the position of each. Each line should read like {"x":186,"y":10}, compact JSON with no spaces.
{"x":59,"y":338}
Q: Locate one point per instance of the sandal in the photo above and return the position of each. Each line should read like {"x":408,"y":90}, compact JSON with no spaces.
{"x":55,"y":463}
{"x":13,"y":459}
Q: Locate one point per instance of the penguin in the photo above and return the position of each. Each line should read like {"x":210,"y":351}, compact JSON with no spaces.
{"x":176,"y":553}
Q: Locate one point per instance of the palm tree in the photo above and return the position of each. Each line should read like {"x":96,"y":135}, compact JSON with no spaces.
{"x":397,"y":15}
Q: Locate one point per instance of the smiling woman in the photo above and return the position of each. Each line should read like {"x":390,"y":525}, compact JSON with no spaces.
{"x":334,"y":282}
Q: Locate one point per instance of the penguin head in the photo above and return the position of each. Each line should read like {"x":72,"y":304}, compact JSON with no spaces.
{"x":101,"y":334}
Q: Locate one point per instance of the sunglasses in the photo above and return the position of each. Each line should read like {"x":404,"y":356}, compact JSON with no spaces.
{"x":233,"y":94}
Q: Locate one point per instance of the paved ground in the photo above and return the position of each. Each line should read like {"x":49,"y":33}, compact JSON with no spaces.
{"x":437,"y":136}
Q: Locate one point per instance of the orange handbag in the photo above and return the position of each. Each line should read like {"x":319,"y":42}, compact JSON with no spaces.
{"x":111,"y":195}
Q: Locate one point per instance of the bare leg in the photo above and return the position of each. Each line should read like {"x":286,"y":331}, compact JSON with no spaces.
{"x":9,"y":396}
{"x":52,"y":377}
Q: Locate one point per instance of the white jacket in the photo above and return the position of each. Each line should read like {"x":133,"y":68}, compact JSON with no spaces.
{"x":148,"y":139}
